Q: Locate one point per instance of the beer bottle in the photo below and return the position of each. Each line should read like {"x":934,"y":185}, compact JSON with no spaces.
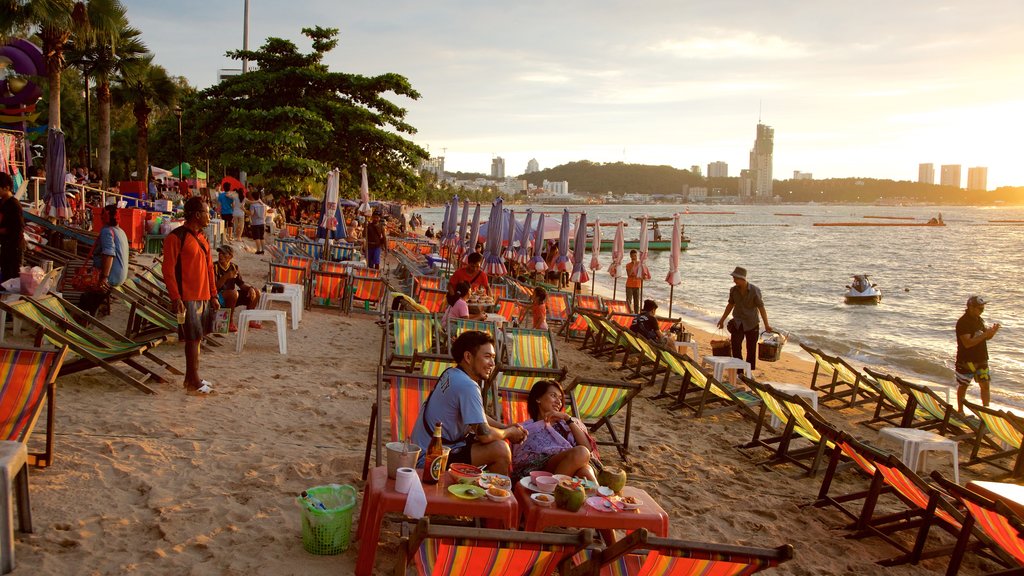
{"x":433,"y":463}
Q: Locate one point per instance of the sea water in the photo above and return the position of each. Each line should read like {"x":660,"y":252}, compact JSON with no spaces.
{"x":925,"y":275}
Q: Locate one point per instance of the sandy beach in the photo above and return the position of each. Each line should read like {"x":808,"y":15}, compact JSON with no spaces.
{"x":174,"y":484}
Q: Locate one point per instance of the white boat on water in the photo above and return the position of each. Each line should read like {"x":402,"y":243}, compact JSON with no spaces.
{"x":862,"y":291}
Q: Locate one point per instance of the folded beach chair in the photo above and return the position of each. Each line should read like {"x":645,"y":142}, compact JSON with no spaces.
{"x":995,"y":527}
{"x":522,"y":292}
{"x":792,"y":412}
{"x":435,"y":550}
{"x":700,"y":392}
{"x":893,"y":407}
{"x":406,"y":393}
{"x":365,"y":290}
{"x":511,"y":387}
{"x":52,"y":318}
{"x":1008,"y":431}
{"x":944,"y":419}
{"x":27,"y":381}
{"x":528,"y":348}
{"x":411,"y":333}
{"x":640,"y":554}
{"x":597,"y":402}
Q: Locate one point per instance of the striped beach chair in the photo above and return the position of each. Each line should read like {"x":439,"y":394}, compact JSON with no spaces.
{"x":852,"y":450}
{"x":623,"y":321}
{"x":431,"y":364}
{"x":701,"y":392}
{"x":590,"y":304}
{"x":433,"y":300}
{"x":512,"y":386}
{"x":456,"y":326}
{"x":411,"y":333}
{"x":791,"y":411}
{"x":944,"y":418}
{"x":368,"y":291}
{"x":617,"y":307}
{"x":893,"y":407}
{"x":529,"y":348}
{"x":406,"y":393}
{"x":1007,"y":429}
{"x":597,"y":402}
{"x":558,"y":307}
{"x":27,"y":381}
{"x":847,"y":384}
{"x":509,"y":309}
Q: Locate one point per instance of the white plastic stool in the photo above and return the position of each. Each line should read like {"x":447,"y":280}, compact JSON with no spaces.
{"x":275,"y":316}
{"x":293,"y":294}
{"x":13,"y":477}
{"x":723,"y":363}
{"x":916,"y":442}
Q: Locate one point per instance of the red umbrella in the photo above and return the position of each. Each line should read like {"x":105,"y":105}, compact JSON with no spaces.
{"x":235,"y":183}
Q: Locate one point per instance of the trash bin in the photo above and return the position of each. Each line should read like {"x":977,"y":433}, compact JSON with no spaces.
{"x":328,"y":531}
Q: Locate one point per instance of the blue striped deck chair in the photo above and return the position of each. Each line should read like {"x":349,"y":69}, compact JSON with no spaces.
{"x":528,"y":348}
{"x":406,"y":394}
{"x":639,"y":553}
{"x":792,"y":412}
{"x":597,"y":402}
{"x":27,"y":381}
{"x":700,"y":392}
{"x":1007,"y":429}
{"x":411,"y":333}
{"x":511,"y":387}
{"x":341,"y":251}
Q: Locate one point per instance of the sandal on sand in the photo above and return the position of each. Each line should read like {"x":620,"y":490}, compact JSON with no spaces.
{"x":204,"y":390}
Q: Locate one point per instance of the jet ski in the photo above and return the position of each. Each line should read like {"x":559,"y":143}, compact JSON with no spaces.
{"x":862,"y":291}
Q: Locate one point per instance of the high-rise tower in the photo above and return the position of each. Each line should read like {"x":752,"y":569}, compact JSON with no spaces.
{"x":498,"y":167}
{"x":761,"y":162}
{"x":926,"y":173}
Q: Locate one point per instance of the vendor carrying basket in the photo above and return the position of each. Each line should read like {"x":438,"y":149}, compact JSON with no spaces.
{"x":769,"y":346}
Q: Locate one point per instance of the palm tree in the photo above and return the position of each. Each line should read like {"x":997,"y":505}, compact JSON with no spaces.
{"x":144,"y":85}
{"x":103,"y":58}
{"x":55,"y":21}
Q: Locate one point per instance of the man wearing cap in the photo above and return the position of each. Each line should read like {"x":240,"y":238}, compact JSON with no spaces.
{"x":232,"y":291}
{"x":972,"y":351}
{"x":745,"y":303}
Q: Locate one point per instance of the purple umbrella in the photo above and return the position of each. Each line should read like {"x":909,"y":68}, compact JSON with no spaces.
{"x":444,"y":221}
{"x":595,"y":248}
{"x":55,"y":173}
{"x":510,"y":236}
{"x":579,"y":271}
{"x":537,"y":263}
{"x":641,"y":259}
{"x":674,"y":277}
{"x":618,"y":250}
{"x":562,"y":262}
{"x":523,"y":253}
{"x":493,"y":265}
{"x":474,"y":234}
{"x":451,"y":234}
{"x":463,"y":225}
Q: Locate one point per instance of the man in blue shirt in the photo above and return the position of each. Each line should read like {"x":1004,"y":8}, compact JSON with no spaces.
{"x":456,"y":402}
{"x":110,"y":257}
{"x":227,"y":209}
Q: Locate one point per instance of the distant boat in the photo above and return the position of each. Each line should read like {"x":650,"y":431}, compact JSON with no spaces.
{"x":660,"y":245}
{"x":862,"y":291}
{"x":918,"y":224}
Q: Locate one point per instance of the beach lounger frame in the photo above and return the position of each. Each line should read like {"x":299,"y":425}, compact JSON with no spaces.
{"x":28,"y":378}
{"x":596,"y":402}
{"x":408,"y":334}
{"x":792,"y":412}
{"x":894,"y":407}
{"x":1008,"y":430}
{"x":700,"y":392}
{"x":406,"y":393}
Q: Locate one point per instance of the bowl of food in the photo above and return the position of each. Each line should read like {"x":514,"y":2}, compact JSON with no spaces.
{"x":498,"y":494}
{"x":631,"y":502}
{"x":465,"y":473}
{"x":546,"y":484}
{"x":543,"y":500}
{"x":538,"y":474}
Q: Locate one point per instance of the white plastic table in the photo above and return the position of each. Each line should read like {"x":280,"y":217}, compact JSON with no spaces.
{"x":795,"y":390}
{"x":916,"y":442}
{"x":723,"y":363}
{"x":690,"y":347}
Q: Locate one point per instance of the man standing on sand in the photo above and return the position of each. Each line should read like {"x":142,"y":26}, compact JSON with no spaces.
{"x":376,"y":241}
{"x":745,"y":303}
{"x":972,"y":351}
{"x":12,"y":229}
{"x":188,"y":272}
{"x":227,"y":210}
{"x":258,"y":220}
{"x":456,"y":402}
{"x":634,"y":282}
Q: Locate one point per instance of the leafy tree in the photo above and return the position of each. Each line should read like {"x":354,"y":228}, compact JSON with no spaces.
{"x":291,"y":120}
{"x":142,"y":86}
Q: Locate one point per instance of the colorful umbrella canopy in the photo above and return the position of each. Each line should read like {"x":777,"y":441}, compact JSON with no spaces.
{"x":595,"y":246}
{"x":618,"y":249}
{"x":537,"y":263}
{"x":493,"y":264}
{"x":474,"y":234}
{"x":561,"y":262}
{"x":579,"y":272}
{"x":235,"y":183}
{"x":364,"y":191}
{"x":523,"y":252}
{"x":55,"y":173}
{"x":642,"y":251}
{"x":510,"y":236}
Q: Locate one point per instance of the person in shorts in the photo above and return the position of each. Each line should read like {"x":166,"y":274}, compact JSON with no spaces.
{"x":473,"y":437}
{"x":257,"y":220}
{"x":227,"y":210}
{"x":972,"y":351}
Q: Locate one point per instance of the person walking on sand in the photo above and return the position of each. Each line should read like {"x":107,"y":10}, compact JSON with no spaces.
{"x":227,"y":211}
{"x":258,"y":220}
{"x":745,"y":303}
{"x":376,"y":241}
{"x":972,"y":351}
{"x":634,"y":282}
{"x":12,"y":228}
{"x":188,"y":271}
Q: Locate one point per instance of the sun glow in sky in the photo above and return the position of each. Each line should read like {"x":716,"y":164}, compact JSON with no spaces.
{"x":867,"y":89}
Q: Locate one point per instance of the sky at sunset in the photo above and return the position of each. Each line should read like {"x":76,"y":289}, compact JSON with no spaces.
{"x":868,"y":89}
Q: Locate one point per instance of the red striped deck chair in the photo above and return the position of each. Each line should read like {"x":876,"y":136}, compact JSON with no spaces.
{"x":327,"y":288}
{"x":640,"y":554}
{"x":597,"y":402}
{"x":334,"y":267}
{"x":523,"y":292}
{"x":365,"y":293}
{"x":591,"y":304}
{"x":666,"y":325}
{"x":512,"y":387}
{"x":558,"y":307}
{"x":309,"y":231}
{"x":528,"y":348}
{"x":406,"y":393}
{"x":624,"y":321}
{"x":411,"y":333}
{"x":499,"y":291}
{"x":298,"y":261}
{"x":433,"y":300}
{"x":290,"y":230}
{"x":27,"y":377}
{"x":369,"y":272}
{"x":992,"y":523}
{"x":576,"y":328}
{"x":457,"y":551}
{"x":617,"y":307}
{"x":281,"y":273}
{"x":392,"y":243}
{"x":1008,"y":430}
{"x":432,"y":282}
{"x":509,"y":309}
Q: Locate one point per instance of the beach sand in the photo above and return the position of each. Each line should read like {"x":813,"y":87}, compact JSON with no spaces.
{"x":174,"y":484}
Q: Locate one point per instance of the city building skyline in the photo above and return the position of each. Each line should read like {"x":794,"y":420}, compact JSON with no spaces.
{"x":761,"y":181}
{"x":950,"y":175}
{"x":977,"y":178}
{"x":926,"y":173}
{"x":498,"y":167}
{"x":718,"y":169}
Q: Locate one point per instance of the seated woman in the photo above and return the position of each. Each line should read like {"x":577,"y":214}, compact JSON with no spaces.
{"x":556,"y":442}
{"x":232,"y":291}
{"x":458,"y":307}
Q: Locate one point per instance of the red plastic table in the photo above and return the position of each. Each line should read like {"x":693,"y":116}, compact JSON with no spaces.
{"x":380,"y":497}
{"x":649,"y":515}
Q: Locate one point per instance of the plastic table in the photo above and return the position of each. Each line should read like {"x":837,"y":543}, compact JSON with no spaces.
{"x":649,"y":515}
{"x":723,"y":363}
{"x":916,"y":442}
{"x":795,"y":390}
{"x":380,"y":497}
{"x":691,"y":346}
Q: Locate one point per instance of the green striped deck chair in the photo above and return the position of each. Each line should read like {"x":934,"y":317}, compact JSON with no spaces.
{"x":457,"y":551}
{"x":1008,"y":430}
{"x":611,"y":340}
{"x":944,"y":418}
{"x":512,"y":386}
{"x":644,"y":352}
{"x":700,"y":392}
{"x":456,"y":326}
{"x":528,"y":348}
{"x":792,"y":412}
{"x":150,"y":317}
{"x":991,"y":522}
{"x":822,"y":369}
{"x":27,"y":381}
{"x":893,"y":408}
{"x":617,"y":306}
{"x":591,"y":338}
{"x":847,"y":383}
{"x":431,"y":364}
{"x":365,"y":293}
{"x":327,"y":289}
{"x":639,"y":553}
{"x":597,"y":402}
{"x":411,"y":333}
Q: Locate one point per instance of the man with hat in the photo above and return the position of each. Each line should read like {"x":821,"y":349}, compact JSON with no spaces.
{"x":972,"y":351}
{"x":745,"y":303}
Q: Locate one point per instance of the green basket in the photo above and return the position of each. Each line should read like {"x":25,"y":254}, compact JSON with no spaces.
{"x":328,"y":532}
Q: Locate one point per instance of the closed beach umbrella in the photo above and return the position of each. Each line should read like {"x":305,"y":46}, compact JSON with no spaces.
{"x":641,"y":258}
{"x":618,"y":250}
{"x":510,"y":236}
{"x":474,"y":234}
{"x":463,"y":228}
{"x":595,"y":248}
{"x":523,"y":252}
{"x":579,"y":251}
{"x":453,"y":227}
{"x":364,"y":191}
{"x":493,"y":264}
{"x":562,"y":263}
{"x":675,"y":277}
{"x":444,"y":221}
{"x":537,"y":263}
{"x":55,"y":174}
{"x":328,"y":221}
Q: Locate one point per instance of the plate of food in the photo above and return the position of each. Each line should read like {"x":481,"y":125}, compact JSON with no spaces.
{"x":488,"y":479}
{"x":631,"y":502}
{"x":527,"y":482}
{"x":466,"y":491}
{"x":602,"y":504}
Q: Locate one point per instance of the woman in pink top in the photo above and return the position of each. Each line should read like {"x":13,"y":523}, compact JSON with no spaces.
{"x":457,"y":306}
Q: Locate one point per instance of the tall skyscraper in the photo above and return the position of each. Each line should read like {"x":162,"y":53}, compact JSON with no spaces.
{"x":977,"y":178}
{"x":718,"y":169}
{"x":950,"y":175}
{"x":761,"y":162}
{"x":695,"y":170}
{"x":497,"y":167}
{"x":926,"y":173}
{"x":532,"y":166}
